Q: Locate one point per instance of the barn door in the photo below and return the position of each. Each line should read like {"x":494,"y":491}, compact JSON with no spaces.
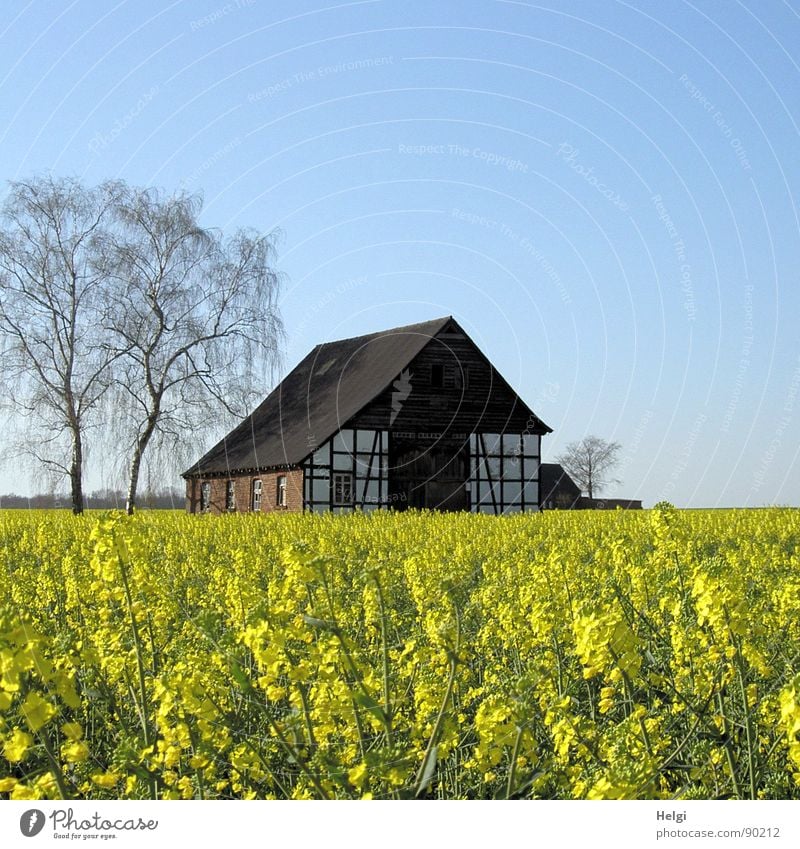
{"x":430,"y":475}
{"x":446,"y":495}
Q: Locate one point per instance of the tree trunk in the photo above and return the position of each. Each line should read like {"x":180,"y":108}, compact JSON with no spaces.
{"x":133,"y":481}
{"x":76,"y":474}
{"x":136,"y":463}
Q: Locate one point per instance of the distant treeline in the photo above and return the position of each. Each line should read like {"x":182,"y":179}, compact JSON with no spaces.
{"x":100,"y":499}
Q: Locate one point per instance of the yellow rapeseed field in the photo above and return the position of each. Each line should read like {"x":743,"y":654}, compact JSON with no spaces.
{"x":650,"y":654}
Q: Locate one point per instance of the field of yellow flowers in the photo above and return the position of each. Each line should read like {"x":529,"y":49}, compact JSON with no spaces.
{"x":650,"y":654}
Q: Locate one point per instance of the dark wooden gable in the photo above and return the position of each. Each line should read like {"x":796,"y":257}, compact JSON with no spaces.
{"x":449,"y":386}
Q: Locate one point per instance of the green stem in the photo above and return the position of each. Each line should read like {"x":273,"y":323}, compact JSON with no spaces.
{"x":728,"y":746}
{"x":61,"y":782}
{"x":437,"y":727}
{"x":387,"y":701}
{"x":303,"y":692}
{"x":139,"y":663}
{"x":512,"y":770}
{"x":748,"y":721}
{"x":312,"y":740}
{"x":559,"y":673}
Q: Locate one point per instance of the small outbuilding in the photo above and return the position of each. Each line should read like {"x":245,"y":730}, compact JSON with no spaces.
{"x":414,"y":416}
{"x":558,"y":490}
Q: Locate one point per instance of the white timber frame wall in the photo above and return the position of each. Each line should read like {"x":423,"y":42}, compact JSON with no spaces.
{"x":361,"y":454}
{"x":351,"y":472}
{"x":504,"y":472}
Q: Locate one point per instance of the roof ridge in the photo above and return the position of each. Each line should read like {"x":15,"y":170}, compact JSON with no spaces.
{"x":388,"y":330}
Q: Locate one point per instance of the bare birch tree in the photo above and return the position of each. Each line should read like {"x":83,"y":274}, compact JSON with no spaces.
{"x":196,"y":323}
{"x":590,"y":461}
{"x":54,"y":359}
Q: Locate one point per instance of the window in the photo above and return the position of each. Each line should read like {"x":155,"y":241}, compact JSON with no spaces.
{"x":256,"y":496}
{"x":343,"y":441}
{"x":342,"y":488}
{"x":205,"y":497}
{"x":280,"y":495}
{"x":437,"y":375}
{"x":230,"y":496}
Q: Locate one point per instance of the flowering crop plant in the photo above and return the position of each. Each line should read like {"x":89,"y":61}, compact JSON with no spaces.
{"x":587,"y":655}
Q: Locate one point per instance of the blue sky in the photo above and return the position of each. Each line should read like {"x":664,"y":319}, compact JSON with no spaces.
{"x":604,"y":194}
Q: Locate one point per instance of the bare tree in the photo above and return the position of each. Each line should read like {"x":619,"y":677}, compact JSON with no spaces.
{"x":195,"y":320}
{"x":54,"y":360}
{"x":590,"y":462}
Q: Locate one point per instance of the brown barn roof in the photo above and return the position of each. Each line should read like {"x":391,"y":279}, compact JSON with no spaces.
{"x":317,"y":398}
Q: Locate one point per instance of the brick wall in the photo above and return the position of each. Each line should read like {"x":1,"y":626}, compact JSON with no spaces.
{"x":243,"y":492}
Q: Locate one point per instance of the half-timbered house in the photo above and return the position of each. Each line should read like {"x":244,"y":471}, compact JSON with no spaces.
{"x":411,"y":417}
